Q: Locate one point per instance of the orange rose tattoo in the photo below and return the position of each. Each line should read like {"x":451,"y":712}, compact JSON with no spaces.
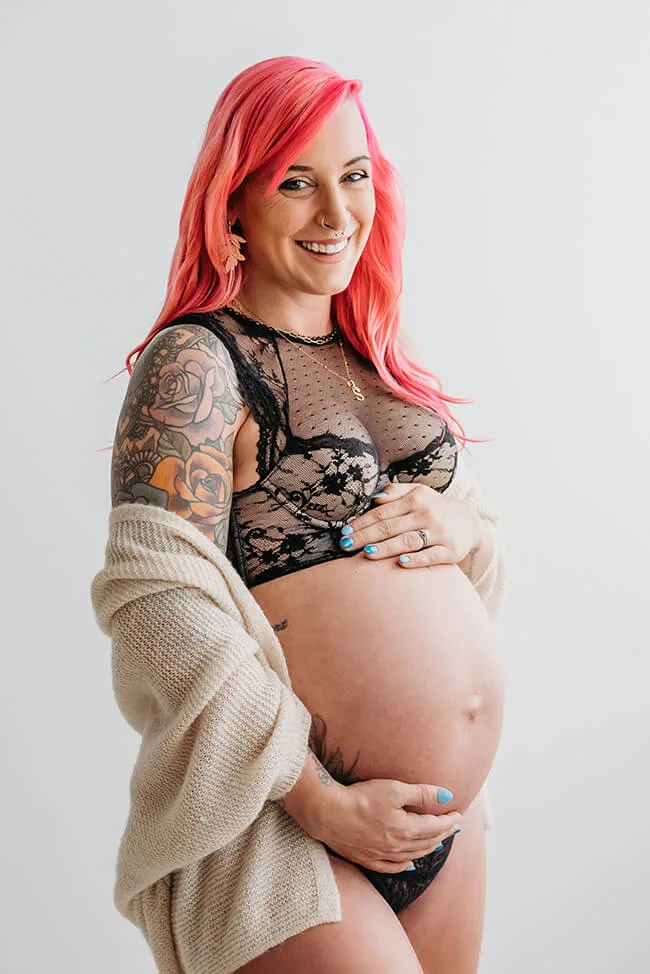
{"x":175,"y":434}
{"x":196,"y":487}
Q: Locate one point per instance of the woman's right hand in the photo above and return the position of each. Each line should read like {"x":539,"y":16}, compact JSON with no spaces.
{"x":369,"y":824}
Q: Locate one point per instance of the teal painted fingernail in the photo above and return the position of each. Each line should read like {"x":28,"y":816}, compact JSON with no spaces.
{"x":346,"y":530}
{"x":380,"y":494}
{"x":409,"y":869}
{"x":347,"y":543}
{"x":370,"y":548}
{"x":404,"y":559}
{"x":456,"y":831}
{"x":444,"y":795}
{"x":438,"y":847}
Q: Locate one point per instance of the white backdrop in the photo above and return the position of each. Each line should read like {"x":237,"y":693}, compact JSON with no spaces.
{"x":521,"y":132}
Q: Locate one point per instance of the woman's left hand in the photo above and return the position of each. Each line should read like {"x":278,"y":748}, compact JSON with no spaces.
{"x":391,"y":527}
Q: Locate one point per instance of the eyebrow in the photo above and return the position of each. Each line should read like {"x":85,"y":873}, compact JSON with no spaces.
{"x":350,"y":162}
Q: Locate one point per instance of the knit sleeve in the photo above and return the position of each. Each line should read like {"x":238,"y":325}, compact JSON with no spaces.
{"x":221,"y":733}
{"x":492,"y":584}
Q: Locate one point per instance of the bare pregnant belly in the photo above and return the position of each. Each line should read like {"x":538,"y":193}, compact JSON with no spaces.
{"x":399,"y":669}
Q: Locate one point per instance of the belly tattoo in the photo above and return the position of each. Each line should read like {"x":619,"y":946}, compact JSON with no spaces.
{"x":334,"y":764}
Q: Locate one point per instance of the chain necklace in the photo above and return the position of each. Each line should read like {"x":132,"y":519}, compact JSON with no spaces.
{"x":350,"y":383}
{"x":356,"y":391}
{"x":312,"y":339}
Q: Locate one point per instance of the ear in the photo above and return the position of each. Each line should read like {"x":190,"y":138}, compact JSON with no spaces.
{"x":233,"y":207}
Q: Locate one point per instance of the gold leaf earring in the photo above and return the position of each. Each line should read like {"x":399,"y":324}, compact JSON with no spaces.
{"x":233,"y":252}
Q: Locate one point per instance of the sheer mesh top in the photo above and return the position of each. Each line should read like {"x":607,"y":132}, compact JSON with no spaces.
{"x":321,"y":454}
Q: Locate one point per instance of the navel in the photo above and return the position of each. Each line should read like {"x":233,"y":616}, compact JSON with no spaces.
{"x":474,"y":705}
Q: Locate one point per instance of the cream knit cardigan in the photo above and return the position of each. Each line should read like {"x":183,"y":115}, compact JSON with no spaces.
{"x":210,"y":867}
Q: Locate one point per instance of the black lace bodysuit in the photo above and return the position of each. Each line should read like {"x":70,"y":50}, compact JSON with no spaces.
{"x":321,"y":454}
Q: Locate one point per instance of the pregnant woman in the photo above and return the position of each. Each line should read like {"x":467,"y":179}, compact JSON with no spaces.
{"x":274,"y":405}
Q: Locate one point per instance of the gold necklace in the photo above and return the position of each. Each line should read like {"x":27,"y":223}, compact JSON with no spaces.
{"x":312,"y":339}
{"x":356,"y":391}
{"x":350,"y":383}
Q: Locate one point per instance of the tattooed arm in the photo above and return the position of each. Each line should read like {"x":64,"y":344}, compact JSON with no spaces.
{"x":175,"y":434}
{"x":174,"y":448}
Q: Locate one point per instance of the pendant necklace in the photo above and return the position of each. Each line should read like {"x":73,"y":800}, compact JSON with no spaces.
{"x":319,"y":340}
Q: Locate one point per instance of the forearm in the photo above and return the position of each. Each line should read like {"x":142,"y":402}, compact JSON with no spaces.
{"x":312,"y":795}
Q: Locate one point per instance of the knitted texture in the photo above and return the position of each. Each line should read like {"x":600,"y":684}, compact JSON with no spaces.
{"x":493,"y":583}
{"x":210,"y":867}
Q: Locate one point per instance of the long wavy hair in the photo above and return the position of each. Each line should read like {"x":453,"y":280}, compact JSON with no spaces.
{"x":262,"y":121}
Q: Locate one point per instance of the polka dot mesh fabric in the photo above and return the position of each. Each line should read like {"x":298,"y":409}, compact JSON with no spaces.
{"x":321,"y":453}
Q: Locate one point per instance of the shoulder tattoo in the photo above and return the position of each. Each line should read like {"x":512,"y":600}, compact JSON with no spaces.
{"x":174,"y":440}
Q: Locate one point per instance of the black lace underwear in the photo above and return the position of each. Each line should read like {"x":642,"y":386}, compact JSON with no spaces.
{"x":321,"y":453}
{"x":400,"y":889}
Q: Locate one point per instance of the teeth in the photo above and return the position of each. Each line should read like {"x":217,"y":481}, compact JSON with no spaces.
{"x":322,"y":248}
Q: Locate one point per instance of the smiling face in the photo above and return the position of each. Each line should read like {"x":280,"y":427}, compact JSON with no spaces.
{"x":327,"y":181}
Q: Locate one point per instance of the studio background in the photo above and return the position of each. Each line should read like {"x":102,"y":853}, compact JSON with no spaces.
{"x":521,"y":133}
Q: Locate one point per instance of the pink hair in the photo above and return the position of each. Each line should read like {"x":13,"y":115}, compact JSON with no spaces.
{"x":262,"y":121}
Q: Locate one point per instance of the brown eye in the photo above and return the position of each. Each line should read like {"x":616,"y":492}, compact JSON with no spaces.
{"x":288,"y":186}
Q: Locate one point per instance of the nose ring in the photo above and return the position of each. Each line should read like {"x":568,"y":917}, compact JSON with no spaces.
{"x":337,"y":233}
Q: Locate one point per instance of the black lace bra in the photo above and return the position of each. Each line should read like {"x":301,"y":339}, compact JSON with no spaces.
{"x":321,"y":453}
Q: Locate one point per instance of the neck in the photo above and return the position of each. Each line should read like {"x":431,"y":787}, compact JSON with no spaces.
{"x":304,"y":314}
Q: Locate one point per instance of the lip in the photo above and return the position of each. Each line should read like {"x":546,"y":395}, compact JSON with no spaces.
{"x":325,"y":258}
